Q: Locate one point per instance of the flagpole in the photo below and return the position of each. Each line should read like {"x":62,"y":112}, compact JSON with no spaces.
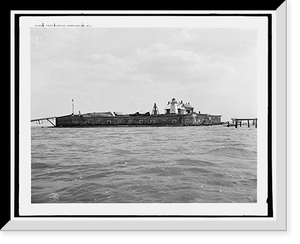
{"x":73,"y":106}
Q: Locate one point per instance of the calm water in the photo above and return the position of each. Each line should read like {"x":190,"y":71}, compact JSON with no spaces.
{"x":213,"y":164}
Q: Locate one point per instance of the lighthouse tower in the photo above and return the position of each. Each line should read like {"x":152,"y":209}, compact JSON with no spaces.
{"x":173,"y":107}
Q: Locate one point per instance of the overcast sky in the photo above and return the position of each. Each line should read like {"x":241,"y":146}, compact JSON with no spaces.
{"x":128,"y":69}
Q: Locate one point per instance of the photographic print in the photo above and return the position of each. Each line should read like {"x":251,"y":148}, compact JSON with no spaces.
{"x":143,"y":121}
{"x":147,"y":115}
{"x":153,"y":111}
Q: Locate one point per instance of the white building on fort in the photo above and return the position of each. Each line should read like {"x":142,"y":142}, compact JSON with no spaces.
{"x":174,"y":107}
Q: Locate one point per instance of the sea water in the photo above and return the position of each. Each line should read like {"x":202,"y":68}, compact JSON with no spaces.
{"x":197,"y":164}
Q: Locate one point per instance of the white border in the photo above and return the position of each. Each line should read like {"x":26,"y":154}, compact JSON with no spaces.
{"x":180,"y":223}
{"x":259,"y":208}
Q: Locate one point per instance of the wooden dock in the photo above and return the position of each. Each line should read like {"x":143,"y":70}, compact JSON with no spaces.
{"x":237,"y":121}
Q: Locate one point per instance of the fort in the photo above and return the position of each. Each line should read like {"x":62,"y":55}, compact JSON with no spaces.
{"x":175,"y":114}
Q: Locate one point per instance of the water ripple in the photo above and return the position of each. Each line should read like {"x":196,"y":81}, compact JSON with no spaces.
{"x":144,"y":164}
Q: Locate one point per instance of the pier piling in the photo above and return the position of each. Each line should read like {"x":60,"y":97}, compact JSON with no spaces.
{"x":236,"y":121}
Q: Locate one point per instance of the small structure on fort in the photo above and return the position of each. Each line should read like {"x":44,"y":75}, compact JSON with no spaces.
{"x":155,"y":110}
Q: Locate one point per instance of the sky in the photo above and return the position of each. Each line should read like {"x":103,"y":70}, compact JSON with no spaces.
{"x":129,"y":69}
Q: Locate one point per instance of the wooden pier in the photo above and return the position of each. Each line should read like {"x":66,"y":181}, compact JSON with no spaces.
{"x":236,"y":122}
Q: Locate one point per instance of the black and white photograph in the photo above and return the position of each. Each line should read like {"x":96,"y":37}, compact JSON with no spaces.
{"x":145,"y":120}
{"x":149,"y":110}
{"x":143,"y":115}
